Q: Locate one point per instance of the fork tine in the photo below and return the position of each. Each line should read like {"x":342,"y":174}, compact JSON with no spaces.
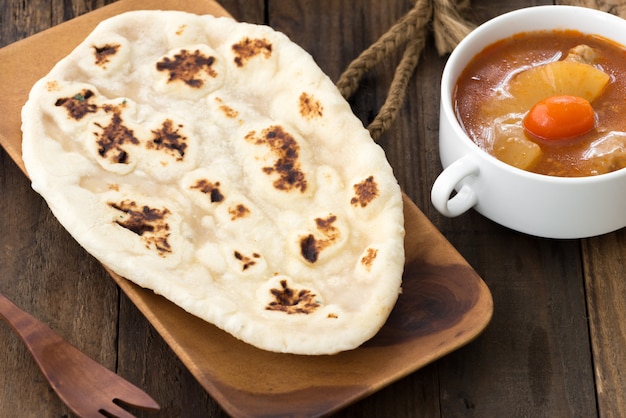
{"x":135,"y":397}
{"x":127,"y":394}
{"x":113,"y":410}
{"x":108,"y":383}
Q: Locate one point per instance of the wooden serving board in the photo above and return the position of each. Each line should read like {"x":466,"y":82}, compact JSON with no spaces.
{"x":444,"y":304}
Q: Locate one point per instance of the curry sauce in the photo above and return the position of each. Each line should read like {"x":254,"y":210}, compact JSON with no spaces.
{"x":493,"y":96}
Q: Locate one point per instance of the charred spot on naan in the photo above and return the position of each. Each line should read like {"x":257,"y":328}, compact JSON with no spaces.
{"x":187,"y":66}
{"x":169,"y":139}
{"x":228,"y":111}
{"x":209,"y":188}
{"x":148,"y":223}
{"x":287,"y":164}
{"x":365,"y":192}
{"x":114,"y":137}
{"x":247,"y":49}
{"x":368,"y":259}
{"x":246,"y":261}
{"x":103,"y":54}
{"x":238,"y":211}
{"x":108,"y":56}
{"x":310,"y":107}
{"x":292,"y":301}
{"x":52,"y":86}
{"x":311,"y":246}
{"x":181,"y":29}
{"x":79,"y":105}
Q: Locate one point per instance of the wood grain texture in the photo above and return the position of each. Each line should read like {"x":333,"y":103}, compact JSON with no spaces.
{"x":553,"y":349}
{"x":604,"y":261}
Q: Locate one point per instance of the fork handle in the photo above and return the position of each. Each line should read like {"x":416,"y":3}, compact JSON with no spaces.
{"x":33,"y":332}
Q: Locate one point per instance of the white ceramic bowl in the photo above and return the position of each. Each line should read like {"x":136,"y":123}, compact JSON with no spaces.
{"x":541,"y":205}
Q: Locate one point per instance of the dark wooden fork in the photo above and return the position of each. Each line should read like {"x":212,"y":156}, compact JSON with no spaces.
{"x":85,"y":386}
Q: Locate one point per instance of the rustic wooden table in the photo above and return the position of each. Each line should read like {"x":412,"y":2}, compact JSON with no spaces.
{"x":554,"y":347}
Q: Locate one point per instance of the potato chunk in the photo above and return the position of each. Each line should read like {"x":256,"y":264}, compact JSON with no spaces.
{"x":511,"y":146}
{"x":558,"y":78}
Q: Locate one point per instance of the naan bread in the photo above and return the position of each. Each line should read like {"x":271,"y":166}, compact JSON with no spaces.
{"x":213,"y":162}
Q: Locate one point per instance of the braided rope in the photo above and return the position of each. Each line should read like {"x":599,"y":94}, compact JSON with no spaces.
{"x":448,"y":25}
{"x":411,"y":30}
{"x":406,"y":28}
{"x":397,"y":90}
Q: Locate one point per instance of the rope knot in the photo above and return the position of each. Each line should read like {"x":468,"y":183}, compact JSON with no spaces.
{"x":411,"y":32}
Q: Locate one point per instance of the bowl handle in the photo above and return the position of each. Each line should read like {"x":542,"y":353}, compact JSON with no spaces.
{"x":449,"y":180}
